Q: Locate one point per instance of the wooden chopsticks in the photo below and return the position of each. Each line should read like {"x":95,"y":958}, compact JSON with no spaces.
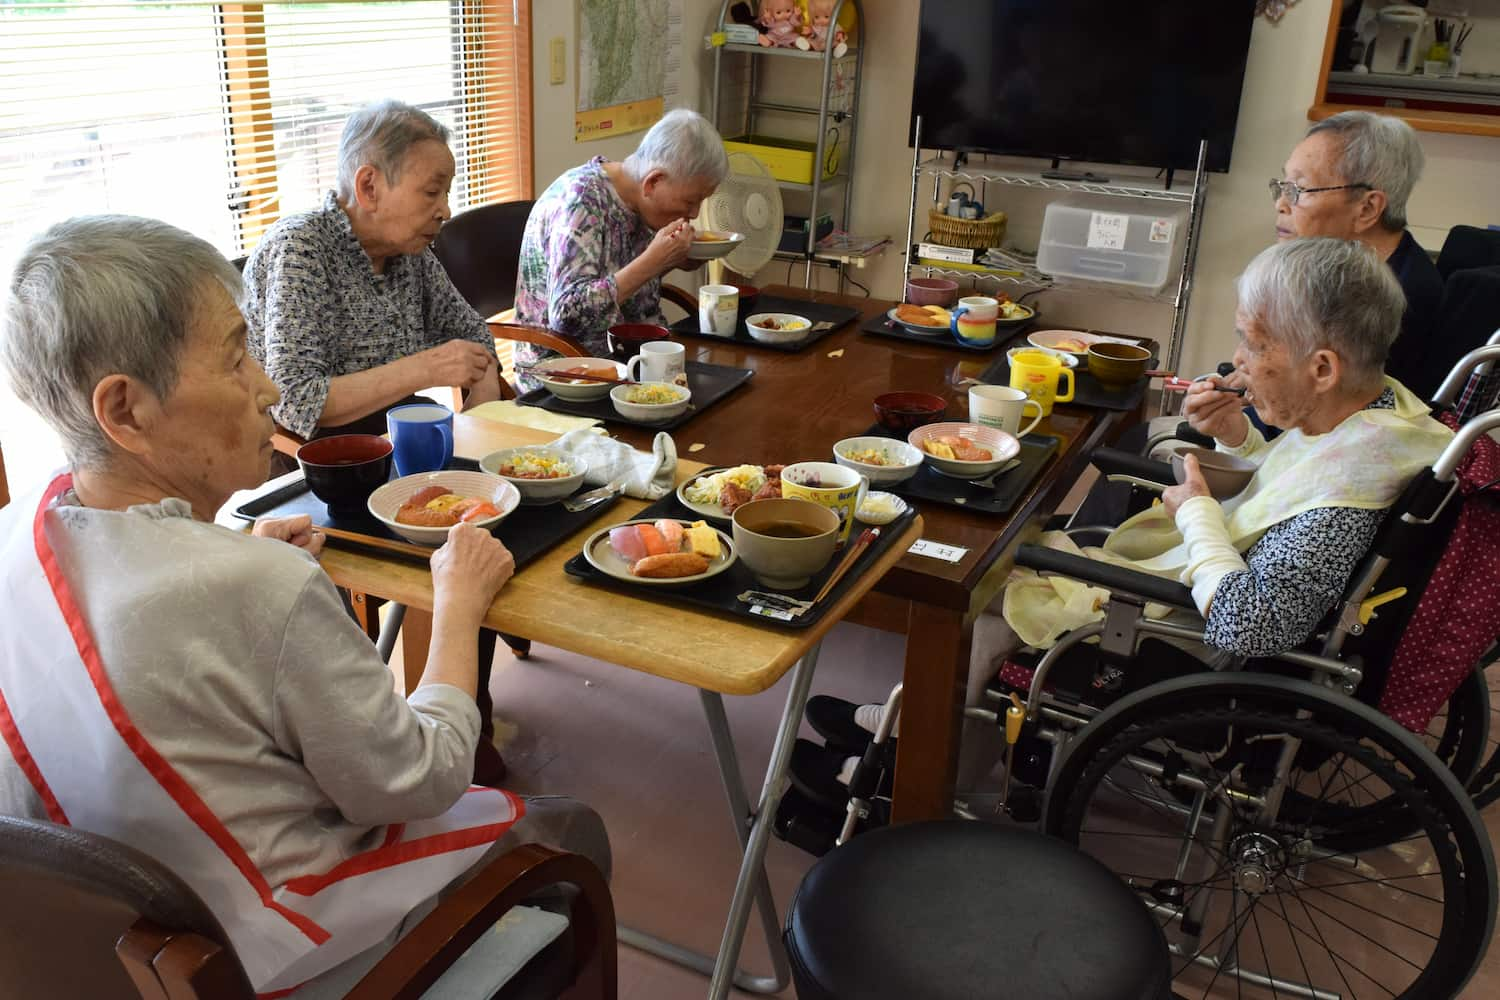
{"x":866,"y":537}
{"x":575,"y":376}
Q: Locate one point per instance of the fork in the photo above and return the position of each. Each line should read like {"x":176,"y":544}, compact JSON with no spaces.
{"x":598,"y":495}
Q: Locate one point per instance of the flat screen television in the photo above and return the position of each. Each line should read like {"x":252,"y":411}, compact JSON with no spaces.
{"x":1106,"y":81}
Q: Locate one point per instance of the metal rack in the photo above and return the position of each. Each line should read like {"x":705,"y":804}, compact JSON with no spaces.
{"x":1032,"y":280}
{"x":751,"y":106}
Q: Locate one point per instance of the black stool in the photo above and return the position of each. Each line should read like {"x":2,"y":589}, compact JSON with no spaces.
{"x":953,"y":910}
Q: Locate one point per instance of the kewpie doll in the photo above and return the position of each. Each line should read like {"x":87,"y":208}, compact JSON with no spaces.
{"x":821,"y":31}
{"x":781,"y":22}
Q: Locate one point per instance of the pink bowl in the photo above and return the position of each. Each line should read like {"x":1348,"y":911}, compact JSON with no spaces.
{"x":1002,"y":448}
{"x":931,"y":291}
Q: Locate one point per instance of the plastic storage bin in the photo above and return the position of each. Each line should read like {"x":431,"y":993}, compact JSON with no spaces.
{"x":789,"y":160}
{"x":1104,"y":245}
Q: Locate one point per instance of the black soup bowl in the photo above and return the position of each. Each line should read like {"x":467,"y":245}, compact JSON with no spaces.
{"x":343,"y":471}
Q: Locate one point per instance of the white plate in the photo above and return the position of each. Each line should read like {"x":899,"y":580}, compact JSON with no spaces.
{"x":1043,"y":338}
{"x":714,"y":249}
{"x":707,"y":511}
{"x":921,"y":331}
{"x":387,"y":500}
{"x":603,"y":558}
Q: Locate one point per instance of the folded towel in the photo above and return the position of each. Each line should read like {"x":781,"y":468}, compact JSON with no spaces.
{"x":507,"y":411}
{"x":646,"y":476}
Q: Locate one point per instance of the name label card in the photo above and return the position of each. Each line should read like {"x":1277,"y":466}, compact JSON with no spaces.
{"x":937,"y":550}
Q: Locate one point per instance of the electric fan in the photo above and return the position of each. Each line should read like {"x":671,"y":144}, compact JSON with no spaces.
{"x":748,"y":202}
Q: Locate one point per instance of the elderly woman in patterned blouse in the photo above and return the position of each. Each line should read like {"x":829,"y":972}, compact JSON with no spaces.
{"x":349,"y":310}
{"x":602,"y":235}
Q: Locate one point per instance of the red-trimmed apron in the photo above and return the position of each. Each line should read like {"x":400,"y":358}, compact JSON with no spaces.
{"x":62,"y":721}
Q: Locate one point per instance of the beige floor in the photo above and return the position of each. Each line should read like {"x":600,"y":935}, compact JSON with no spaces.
{"x":636,"y":749}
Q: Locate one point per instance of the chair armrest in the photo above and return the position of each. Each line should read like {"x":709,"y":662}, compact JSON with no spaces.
{"x":418,"y":959}
{"x":1115,"y":579}
{"x":286,"y":442}
{"x":1186,"y":433}
{"x":553,"y":340}
{"x":681,"y":298}
{"x":1113,"y":461}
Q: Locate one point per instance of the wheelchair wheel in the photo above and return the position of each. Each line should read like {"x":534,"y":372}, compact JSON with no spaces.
{"x":1241,"y":878}
{"x":1485,"y":785}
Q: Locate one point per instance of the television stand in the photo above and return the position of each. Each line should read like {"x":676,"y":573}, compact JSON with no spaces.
{"x":1083,"y":177}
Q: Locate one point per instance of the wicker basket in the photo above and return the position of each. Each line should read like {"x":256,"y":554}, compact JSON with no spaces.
{"x":969,"y":234}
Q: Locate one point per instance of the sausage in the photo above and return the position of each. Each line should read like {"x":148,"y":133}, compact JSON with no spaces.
{"x":410,"y":513}
{"x":670,"y":565}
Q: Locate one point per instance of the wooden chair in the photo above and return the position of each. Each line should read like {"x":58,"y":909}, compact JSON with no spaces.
{"x":85,"y":916}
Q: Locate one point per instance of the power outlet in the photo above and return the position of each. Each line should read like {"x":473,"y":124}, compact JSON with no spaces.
{"x":558,"y":60}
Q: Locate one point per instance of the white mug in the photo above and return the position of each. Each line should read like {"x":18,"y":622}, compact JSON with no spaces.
{"x":718,"y":310}
{"x":659,"y":361}
{"x":1003,"y":407}
{"x":980,"y":308}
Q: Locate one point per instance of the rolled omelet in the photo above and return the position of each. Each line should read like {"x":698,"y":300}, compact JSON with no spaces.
{"x":703,"y":540}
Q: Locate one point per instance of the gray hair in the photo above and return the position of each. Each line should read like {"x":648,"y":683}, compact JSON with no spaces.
{"x":1322,"y":292}
{"x":1380,"y":151}
{"x":380,"y":135}
{"x":682,"y":145}
{"x":96,"y":296}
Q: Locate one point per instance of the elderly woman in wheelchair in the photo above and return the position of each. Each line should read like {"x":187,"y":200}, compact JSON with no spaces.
{"x":1291,"y":839}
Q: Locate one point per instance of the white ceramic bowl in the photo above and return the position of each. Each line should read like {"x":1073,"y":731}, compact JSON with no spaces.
{"x":578,"y":391}
{"x":1050,"y":339}
{"x":650,"y":412}
{"x":714,"y":249}
{"x":1071,"y":360}
{"x":386,"y":501}
{"x":800,"y":325}
{"x":880,"y":508}
{"x":537,"y":490}
{"x":906,"y":459}
{"x":1002,"y":448}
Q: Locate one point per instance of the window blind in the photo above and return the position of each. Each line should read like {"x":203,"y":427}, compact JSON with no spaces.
{"x":219,"y":118}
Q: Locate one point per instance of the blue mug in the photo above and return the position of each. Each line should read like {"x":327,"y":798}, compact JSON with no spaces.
{"x":422,"y":435}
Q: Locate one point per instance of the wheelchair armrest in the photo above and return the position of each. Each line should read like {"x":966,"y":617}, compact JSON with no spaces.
{"x":1186,"y":433}
{"x":1101,"y":574}
{"x":1113,"y":461}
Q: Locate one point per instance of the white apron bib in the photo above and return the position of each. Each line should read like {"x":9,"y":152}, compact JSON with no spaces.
{"x":62,"y":721}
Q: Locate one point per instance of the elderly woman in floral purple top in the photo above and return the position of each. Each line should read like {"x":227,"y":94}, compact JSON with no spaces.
{"x":602,"y":235}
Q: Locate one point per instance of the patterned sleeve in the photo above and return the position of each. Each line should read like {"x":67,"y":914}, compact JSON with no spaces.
{"x":580,"y":283}
{"x":1297,"y":572}
{"x":297,"y":313}
{"x":449,"y":315}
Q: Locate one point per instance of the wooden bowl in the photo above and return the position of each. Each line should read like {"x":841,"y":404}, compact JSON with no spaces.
{"x":1118,"y":366}
{"x":901,"y":411}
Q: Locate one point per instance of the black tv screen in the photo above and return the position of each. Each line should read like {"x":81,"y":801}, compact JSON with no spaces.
{"x":1106,"y":81}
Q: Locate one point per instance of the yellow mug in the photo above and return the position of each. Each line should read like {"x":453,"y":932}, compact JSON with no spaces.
{"x":1037,"y":374}
{"x":836,"y":487}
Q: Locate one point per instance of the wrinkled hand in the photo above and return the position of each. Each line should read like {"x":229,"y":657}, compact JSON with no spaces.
{"x":470,"y":568}
{"x":461,"y":363}
{"x":1220,"y":415}
{"x":1193,"y":485}
{"x":295,"y":530}
{"x":669,"y":247}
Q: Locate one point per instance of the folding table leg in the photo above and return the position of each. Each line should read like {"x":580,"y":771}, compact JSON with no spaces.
{"x":752,"y":887}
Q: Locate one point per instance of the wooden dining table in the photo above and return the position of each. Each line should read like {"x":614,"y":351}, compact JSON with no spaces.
{"x":794,"y":407}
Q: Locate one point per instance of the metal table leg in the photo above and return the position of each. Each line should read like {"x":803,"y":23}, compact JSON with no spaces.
{"x":395,"y":614}
{"x":752,"y":887}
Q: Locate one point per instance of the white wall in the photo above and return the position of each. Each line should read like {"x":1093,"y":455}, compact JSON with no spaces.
{"x":1461,"y":185}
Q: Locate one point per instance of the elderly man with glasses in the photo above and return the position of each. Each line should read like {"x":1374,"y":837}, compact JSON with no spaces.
{"x":1350,"y":178}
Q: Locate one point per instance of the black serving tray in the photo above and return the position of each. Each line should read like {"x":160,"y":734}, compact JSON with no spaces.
{"x":1087,"y":391}
{"x":721,"y":593}
{"x":817,"y":312}
{"x":529,"y":531}
{"x":885,"y":327}
{"x":929,"y":484}
{"x":709,"y":383}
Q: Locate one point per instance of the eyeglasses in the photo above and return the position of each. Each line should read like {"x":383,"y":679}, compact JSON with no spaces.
{"x":1293,"y":192}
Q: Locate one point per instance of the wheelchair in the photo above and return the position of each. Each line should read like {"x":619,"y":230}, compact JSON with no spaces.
{"x":1290,"y":838}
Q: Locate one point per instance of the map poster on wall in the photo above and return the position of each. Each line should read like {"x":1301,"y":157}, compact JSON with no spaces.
{"x":629,"y":65}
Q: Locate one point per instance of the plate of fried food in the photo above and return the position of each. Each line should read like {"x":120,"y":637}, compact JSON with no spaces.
{"x":710,"y":244}
{"x":665,"y":552}
{"x":925,"y":321}
{"x":716,"y":493}
{"x":423,"y":507}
